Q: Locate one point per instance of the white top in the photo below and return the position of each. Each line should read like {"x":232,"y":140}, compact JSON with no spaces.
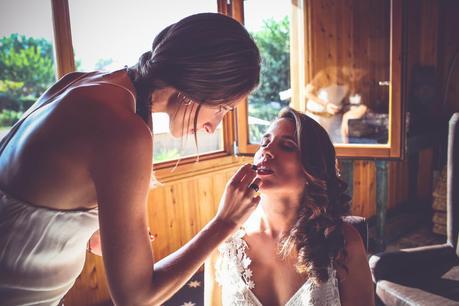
{"x":235,"y":277}
{"x":332,"y":94}
{"x":42,"y":250}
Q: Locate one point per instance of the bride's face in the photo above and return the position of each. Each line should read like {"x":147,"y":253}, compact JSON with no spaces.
{"x":278,"y":159}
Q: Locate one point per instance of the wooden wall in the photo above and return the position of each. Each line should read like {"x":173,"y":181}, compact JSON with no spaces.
{"x":448,"y":47}
{"x":433,"y":39}
{"x":176,"y":211}
{"x":352,"y":34}
{"x":179,"y":208}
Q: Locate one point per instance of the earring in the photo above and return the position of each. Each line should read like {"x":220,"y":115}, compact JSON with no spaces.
{"x":185,"y":100}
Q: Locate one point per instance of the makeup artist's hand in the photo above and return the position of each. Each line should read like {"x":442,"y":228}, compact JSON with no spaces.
{"x":239,"y":200}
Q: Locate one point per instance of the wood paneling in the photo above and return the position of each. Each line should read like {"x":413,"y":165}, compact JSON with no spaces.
{"x":448,"y":55}
{"x":398,"y":180}
{"x":433,"y":40}
{"x":178,"y":210}
{"x":425,"y":177}
{"x":422,"y":39}
{"x":364,"y":195}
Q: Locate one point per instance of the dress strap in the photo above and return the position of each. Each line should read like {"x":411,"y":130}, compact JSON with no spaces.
{"x":119,"y":86}
{"x":232,"y":266}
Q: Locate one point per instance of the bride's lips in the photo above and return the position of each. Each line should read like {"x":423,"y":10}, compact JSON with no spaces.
{"x":264,"y":170}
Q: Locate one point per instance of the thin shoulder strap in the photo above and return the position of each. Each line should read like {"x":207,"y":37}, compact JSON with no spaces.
{"x":117,"y":85}
{"x":6,"y":139}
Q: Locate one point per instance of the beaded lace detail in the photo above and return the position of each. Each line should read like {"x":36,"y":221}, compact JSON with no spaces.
{"x":235,"y":277}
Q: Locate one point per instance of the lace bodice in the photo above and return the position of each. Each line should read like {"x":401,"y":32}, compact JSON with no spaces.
{"x":235,"y":277}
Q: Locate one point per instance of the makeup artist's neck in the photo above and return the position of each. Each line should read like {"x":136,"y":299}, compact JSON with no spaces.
{"x":160,"y":98}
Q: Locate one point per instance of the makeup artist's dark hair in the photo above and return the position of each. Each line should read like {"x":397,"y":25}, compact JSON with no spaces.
{"x":317,"y":235}
{"x":209,"y":58}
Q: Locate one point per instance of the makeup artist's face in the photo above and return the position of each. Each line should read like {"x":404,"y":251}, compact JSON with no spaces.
{"x":183,"y":112}
{"x":278,"y":159}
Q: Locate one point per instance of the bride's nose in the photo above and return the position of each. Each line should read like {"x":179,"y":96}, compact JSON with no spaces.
{"x":267,"y":151}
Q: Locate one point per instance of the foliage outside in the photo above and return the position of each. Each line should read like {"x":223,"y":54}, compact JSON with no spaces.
{"x":273,"y":40}
{"x":26,"y":71}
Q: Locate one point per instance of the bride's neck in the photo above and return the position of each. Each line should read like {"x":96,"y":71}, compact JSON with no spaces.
{"x":277,"y":214}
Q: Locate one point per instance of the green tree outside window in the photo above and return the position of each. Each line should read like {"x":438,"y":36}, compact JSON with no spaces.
{"x":273,"y":40}
{"x":26,"y":71}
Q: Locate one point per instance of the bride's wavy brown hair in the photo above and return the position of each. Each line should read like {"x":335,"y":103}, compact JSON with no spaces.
{"x":317,"y":237}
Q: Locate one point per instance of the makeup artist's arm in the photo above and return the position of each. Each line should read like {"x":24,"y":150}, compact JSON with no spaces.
{"x":122,"y":182}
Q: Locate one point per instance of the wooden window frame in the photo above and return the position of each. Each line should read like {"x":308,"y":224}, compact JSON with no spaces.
{"x":235,"y":124}
{"x":299,"y":67}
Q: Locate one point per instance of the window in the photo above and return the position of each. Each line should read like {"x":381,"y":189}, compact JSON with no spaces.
{"x":292,"y":36}
{"x":109,"y":36}
{"x":26,"y":57}
{"x":343,"y":68}
{"x":270,"y":27}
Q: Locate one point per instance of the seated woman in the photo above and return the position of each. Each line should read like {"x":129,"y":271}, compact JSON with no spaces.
{"x":294,"y":249}
{"x":334,"y":96}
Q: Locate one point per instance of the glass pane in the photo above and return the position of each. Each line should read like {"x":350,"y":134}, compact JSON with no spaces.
{"x":269,"y":24}
{"x":26,"y":57}
{"x":108,"y":36}
{"x":348,"y":88}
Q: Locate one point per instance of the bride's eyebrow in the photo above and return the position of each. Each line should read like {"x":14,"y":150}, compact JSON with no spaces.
{"x":267,"y":135}
{"x":288,"y":137}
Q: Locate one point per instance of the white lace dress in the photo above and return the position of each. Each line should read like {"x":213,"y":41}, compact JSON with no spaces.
{"x":235,"y":277}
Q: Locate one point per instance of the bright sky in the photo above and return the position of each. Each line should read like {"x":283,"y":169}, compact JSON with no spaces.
{"x":119,"y":30}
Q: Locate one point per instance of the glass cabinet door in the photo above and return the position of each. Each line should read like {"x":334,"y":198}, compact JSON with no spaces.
{"x":352,"y":80}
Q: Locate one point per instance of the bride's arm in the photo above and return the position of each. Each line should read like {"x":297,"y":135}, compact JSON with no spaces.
{"x":212,"y":290}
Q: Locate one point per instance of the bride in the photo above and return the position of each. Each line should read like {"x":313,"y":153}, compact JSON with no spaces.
{"x":294,"y":249}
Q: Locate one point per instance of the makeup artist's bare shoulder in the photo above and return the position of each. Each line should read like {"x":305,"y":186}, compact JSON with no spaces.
{"x":107,"y":113}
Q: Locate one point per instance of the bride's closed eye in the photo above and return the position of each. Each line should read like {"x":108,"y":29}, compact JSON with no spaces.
{"x":287,"y":146}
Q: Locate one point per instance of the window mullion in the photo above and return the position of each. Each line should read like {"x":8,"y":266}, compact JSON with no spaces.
{"x":62,"y":37}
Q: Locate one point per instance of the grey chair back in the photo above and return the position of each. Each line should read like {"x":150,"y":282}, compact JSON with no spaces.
{"x":452,"y":193}
{"x":360,"y":224}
